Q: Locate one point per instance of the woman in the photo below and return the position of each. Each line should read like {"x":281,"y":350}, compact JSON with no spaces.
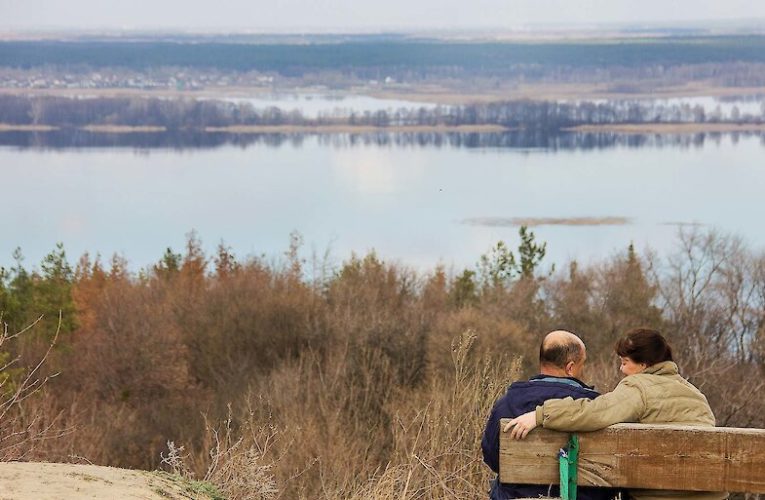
{"x":652,"y":392}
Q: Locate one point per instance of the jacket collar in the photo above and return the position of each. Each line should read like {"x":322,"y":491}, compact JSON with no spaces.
{"x":663,"y":368}
{"x":561,"y":380}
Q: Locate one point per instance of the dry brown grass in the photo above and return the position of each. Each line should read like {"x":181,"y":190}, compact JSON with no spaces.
{"x":370,"y":381}
{"x":290,"y":446}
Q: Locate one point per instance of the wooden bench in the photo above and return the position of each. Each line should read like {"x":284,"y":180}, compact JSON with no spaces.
{"x":643,"y":456}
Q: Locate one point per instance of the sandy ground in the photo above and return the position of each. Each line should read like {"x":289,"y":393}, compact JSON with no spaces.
{"x":46,"y":481}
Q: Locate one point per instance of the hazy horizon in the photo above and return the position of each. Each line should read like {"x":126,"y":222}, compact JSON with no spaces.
{"x":344,"y":16}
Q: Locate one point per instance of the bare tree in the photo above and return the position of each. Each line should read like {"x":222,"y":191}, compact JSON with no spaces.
{"x":20,"y":430}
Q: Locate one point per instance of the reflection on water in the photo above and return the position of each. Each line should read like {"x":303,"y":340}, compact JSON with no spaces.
{"x":405,"y":195}
{"x":531,"y":139}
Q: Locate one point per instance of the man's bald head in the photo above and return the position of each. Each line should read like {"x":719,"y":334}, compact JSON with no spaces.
{"x":560,"y":350}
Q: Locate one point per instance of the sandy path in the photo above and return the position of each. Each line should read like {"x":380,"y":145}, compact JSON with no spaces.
{"x":43,"y":481}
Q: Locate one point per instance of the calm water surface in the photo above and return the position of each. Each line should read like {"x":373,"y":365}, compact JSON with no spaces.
{"x":407,"y":200}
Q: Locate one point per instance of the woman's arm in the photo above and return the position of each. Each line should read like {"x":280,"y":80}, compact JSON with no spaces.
{"x":624,"y":404}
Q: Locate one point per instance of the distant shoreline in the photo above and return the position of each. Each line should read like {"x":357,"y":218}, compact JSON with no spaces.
{"x":623,"y":128}
{"x":432,"y":94}
{"x":558,"y":92}
{"x":270,"y":129}
{"x":668,"y":128}
{"x":123,"y":129}
{"x":355,"y":129}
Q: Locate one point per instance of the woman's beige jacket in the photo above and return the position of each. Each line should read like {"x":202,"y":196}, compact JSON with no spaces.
{"x":658,"y":395}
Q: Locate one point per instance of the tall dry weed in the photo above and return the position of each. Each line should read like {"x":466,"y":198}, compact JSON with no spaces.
{"x":437,"y":431}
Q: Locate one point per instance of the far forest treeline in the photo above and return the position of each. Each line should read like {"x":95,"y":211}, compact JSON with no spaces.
{"x":471,"y":56}
{"x":730,"y":60}
{"x":177,"y":114}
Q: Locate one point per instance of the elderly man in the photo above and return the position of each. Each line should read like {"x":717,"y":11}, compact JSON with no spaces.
{"x":561,"y":363}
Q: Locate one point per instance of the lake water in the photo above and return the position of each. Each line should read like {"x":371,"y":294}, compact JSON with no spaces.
{"x":421,"y":199}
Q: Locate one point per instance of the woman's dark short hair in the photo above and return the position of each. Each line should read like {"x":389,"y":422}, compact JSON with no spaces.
{"x":643,"y":345}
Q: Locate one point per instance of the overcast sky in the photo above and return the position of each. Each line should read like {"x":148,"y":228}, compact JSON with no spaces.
{"x":360,"y":15}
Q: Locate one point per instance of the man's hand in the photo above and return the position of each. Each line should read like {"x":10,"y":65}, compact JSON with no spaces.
{"x":522,"y":425}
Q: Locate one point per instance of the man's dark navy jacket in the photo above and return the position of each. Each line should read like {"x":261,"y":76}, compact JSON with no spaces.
{"x":522,"y":397}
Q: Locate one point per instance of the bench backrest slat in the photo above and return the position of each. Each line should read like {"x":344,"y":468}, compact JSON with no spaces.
{"x":644,"y":456}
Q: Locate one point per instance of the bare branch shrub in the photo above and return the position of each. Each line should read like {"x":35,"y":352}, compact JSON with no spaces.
{"x":22,"y":431}
{"x":375,"y":382}
{"x":712,"y":295}
{"x":175,"y":460}
{"x":238,"y":461}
